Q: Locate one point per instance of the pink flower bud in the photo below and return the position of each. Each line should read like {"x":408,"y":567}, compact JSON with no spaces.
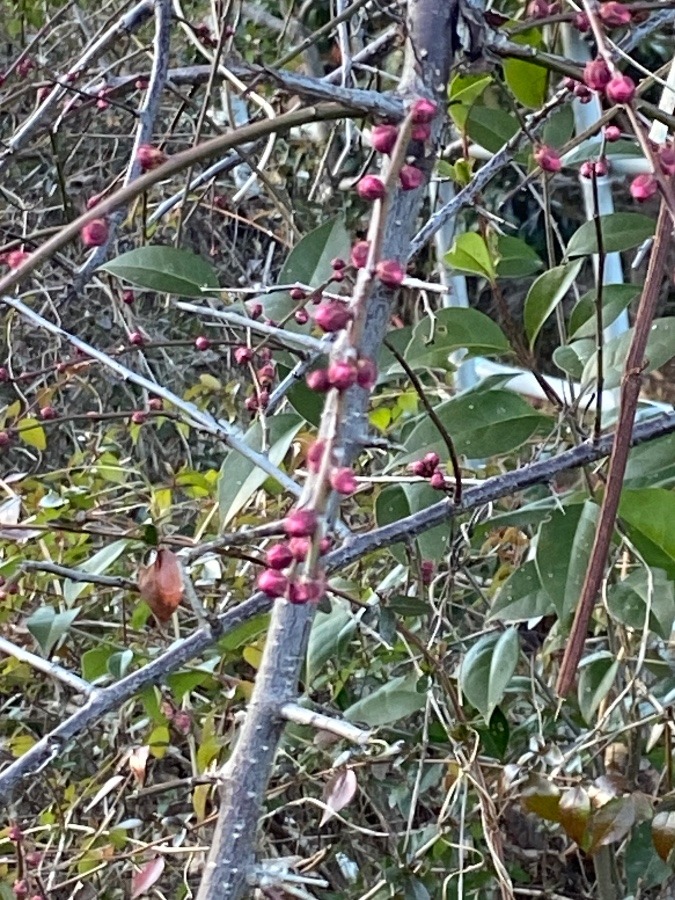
{"x":432,"y":460}
{"x":537,"y":9}
{"x":423,"y":111}
{"x":20,"y":888}
{"x":597,"y":75}
{"x":141,"y":84}
{"x":315,"y":454}
{"x":667,"y":160}
{"x":15,"y":834}
{"x":359,"y":254}
{"x":139,"y":417}
{"x":621,"y":89}
{"x":48,"y":412}
{"x":366,"y":373}
{"x":251,"y":403}
{"x":338,"y":275}
{"x":583,"y":93}
{"x":418,"y":468}
{"x":263,"y":399}
{"x":343,"y":481}
{"x":437,"y":481}
{"x":301,"y":316}
{"x":390,"y":272}
{"x":156,"y":404}
{"x":136,"y":338}
{"x":643,"y":187}
{"x":243,"y":355}
{"x":586,"y":169}
{"x":601,"y":166}
{"x":128,"y":297}
{"x":410,"y":178}
{"x":255,"y":310}
{"x":272,"y":583}
{"x":614,"y":14}
{"x":300,"y":523}
{"x":306,"y":591}
{"x":337,"y":263}
{"x":383,"y":138}
{"x":94,"y":233}
{"x":150,"y":157}
{"x":548,"y":159}
{"x":342,"y":374}
{"x":421,"y":132}
{"x":318,"y":381}
{"x":297,"y":294}
{"x":582,"y":22}
{"x":279,"y":557}
{"x":333,"y":316}
{"x":612,"y":133}
{"x":202,"y":343}
{"x":16,"y":258}
{"x":299,"y":548}
{"x":371,"y":188}
{"x":266,"y":373}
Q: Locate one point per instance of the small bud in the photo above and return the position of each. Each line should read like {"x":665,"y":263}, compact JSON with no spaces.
{"x":299,"y":548}
{"x":667,"y":160}
{"x":139,"y":417}
{"x":427,"y":571}
{"x":306,"y":591}
{"x":93,"y":201}
{"x":437,"y":481}
{"x":318,"y":381}
{"x":94,"y":233}
{"x":141,"y":84}
{"x":390,"y":272}
{"x":612,"y":133}
{"x":597,"y":75}
{"x":300,"y":523}
{"x":202,"y":343}
{"x":263,"y":398}
{"x":279,"y":557}
{"x":601,"y":166}
{"x":643,"y":187}
{"x":383,"y":138}
{"x":301,"y":316}
{"x":16,"y":258}
{"x":343,"y":481}
{"x":20,"y":888}
{"x":342,"y":374}
{"x":315,"y":454}
{"x":614,"y":14}
{"x":137,"y":339}
{"x":582,"y":23}
{"x":423,"y":111}
{"x":332,"y":316}
{"x":4,"y":374}
{"x":182,"y":721}
{"x":421,"y":132}
{"x":338,"y":275}
{"x":316,"y":298}
{"x":366,"y":373}
{"x":5,"y":439}
{"x":15,"y":834}
{"x":297,"y":294}
{"x":586,"y":169}
{"x":150,"y":157}
{"x":25,"y":66}
{"x":582,"y":93}
{"x":266,"y":373}
{"x":255,"y":310}
{"x":47,"y":413}
{"x":337,"y":263}
{"x":272,"y":583}
{"x":371,"y":188}
{"x":128,"y":297}
{"x":359,"y":254}
{"x":621,"y":89}
{"x":432,"y":460}
{"x":251,"y":403}
{"x":33,"y":858}
{"x":548,"y":159}
{"x":410,"y":178}
{"x":537,"y":9}
{"x":156,"y":404}
{"x":243,"y":355}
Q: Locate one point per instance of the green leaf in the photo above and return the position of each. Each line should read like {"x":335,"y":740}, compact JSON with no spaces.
{"x":644,"y":869}
{"x":595,"y":680}
{"x":563,"y":550}
{"x":48,"y":626}
{"x":454,"y":328}
{"x":330,"y":633}
{"x":433,"y":543}
{"x":660,"y":349}
{"x":516,"y":258}
{"x":487,"y":669}
{"x":482,"y":425}
{"x":167,"y":270}
{"x":490,"y":128}
{"x":559,"y":127}
{"x":397,"y":699}
{"x":652,"y":464}
{"x":95,"y":663}
{"x":521,"y":597}
{"x":545,"y":294}
{"x":391,"y":505}
{"x":404,"y":606}
{"x":620,"y":231}
{"x":589,"y":149}
{"x":615,"y":298}
{"x":120,"y":662}
{"x":32,"y":433}
{"x":611,"y":822}
{"x":97,"y":564}
{"x":649,"y":517}
{"x":463,"y":92}
{"x":528,"y":82}
{"x":629,"y":600}
{"x":239,"y":477}
{"x":573,"y":357}
{"x":471,"y":254}
{"x":495,"y":738}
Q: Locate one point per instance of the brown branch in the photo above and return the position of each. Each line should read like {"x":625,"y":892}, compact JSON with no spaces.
{"x":630,"y":392}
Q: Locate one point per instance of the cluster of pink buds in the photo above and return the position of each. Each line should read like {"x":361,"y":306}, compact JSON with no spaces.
{"x":643,"y":187}
{"x":579,"y":89}
{"x":300,"y":526}
{"x":614,"y":14}
{"x":595,"y":168}
{"x":617,"y":88}
{"x":342,"y":374}
{"x":428,"y":467}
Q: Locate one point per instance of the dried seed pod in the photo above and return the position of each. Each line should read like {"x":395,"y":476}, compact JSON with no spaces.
{"x":161,"y":584}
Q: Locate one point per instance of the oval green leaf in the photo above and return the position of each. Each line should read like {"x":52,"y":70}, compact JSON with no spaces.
{"x":620,"y":231}
{"x":167,"y":270}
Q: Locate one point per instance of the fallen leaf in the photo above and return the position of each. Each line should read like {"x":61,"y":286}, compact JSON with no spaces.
{"x":161,"y":584}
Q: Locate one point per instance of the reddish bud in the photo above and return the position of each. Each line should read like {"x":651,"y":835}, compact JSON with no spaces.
{"x":4,"y":374}
{"x":150,"y":157}
{"x":601,"y":166}
{"x":614,"y":14}
{"x":182,"y":721}
{"x":390,"y":272}
{"x":5,"y":439}
{"x":202,"y":343}
{"x":263,"y":398}
{"x":128,"y":297}
{"x":410,"y":178}
{"x":337,"y":263}
{"x":266,"y":373}
{"x":301,"y":316}
{"x":548,"y":159}
{"x":423,"y":111}
{"x":43,"y":92}
{"x":137,"y":339}
{"x":421,"y":133}
{"x":366,"y":373}
{"x":586,"y":169}
{"x":597,"y":75}
{"x":94,"y":233}
{"x":243,"y":355}
{"x":342,"y":374}
{"x":582,"y":23}
{"x":338,"y":275}
{"x":272,"y":583}
{"x":93,"y":200}
{"x":667,"y":160}
{"x":25,"y":66}
{"x":139,"y":417}
{"x":359,"y":254}
{"x":427,"y":571}
{"x":299,"y":548}
{"x":583,"y":93}
{"x":315,"y":454}
{"x":16,"y":258}
{"x":621,"y":89}
{"x":343,"y":481}
{"x":643,"y":187}
{"x":255,"y":310}
{"x":316,"y":298}
{"x":33,"y":858}
{"x":300,"y":523}
{"x":333,"y":316}
{"x":612,"y":133}
{"x":251,"y":403}
{"x":371,"y":188}
{"x":15,"y":834}
{"x":48,"y":412}
{"x":383,"y":138}
{"x":306,"y":591}
{"x":20,"y":888}
{"x":279,"y":557}
{"x":141,"y":84}
{"x":437,"y":481}
{"x":318,"y":381}
{"x":297,"y":294}
{"x":156,"y":404}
